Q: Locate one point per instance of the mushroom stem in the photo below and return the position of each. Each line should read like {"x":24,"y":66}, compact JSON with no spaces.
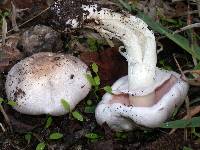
{"x":138,"y":40}
{"x":143,"y":101}
{"x":140,"y":47}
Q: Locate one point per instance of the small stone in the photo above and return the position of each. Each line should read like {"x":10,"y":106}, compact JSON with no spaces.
{"x":40,"y":38}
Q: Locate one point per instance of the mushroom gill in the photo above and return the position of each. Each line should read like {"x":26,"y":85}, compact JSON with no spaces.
{"x":160,"y":91}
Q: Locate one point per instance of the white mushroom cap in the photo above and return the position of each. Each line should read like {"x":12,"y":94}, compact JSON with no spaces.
{"x":38,"y":83}
{"x":122,"y":117}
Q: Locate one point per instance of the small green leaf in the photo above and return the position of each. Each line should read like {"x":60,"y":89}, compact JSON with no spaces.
{"x":55,"y":136}
{"x":108,"y":89}
{"x":40,"y":146}
{"x":90,"y":79}
{"x":95,"y":68}
{"x":92,"y":43}
{"x":28,"y":137}
{"x":89,"y":102}
{"x":97,"y":80}
{"x":65,"y":105}
{"x":77,"y":115}
{"x":48,"y":122}
{"x":92,"y":136}
{"x":1,"y":100}
{"x":6,"y":14}
{"x":11,"y":103}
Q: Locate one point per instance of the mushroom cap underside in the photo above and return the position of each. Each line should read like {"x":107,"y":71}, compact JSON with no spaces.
{"x":38,"y":83}
{"x":122,"y":117}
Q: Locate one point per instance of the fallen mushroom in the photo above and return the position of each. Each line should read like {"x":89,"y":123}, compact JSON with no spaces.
{"x":148,"y":95}
{"x":38,"y":83}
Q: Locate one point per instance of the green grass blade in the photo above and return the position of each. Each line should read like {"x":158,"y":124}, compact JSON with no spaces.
{"x":176,"y":38}
{"x":183,"y":123}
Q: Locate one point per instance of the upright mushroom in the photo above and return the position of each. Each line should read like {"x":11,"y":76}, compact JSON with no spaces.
{"x":148,"y":95}
{"x":39,"y":83}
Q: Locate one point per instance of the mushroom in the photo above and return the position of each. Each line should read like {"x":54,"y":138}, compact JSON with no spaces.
{"x":147,"y":96}
{"x":39,"y":82}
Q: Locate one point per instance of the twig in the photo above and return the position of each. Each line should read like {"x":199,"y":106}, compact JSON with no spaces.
{"x":4,"y":31}
{"x":38,"y":137}
{"x":161,"y":47}
{"x":3,"y":129}
{"x":179,"y":67}
{"x":187,"y":104}
{"x":13,"y":17}
{"x":176,"y":1}
{"x":191,"y":12}
{"x":14,"y":146}
{"x":190,"y":26}
{"x":186,"y":99}
{"x":183,"y":77}
{"x":193,"y":82}
{"x":41,"y":140}
{"x":29,"y":20}
{"x":193,"y":41}
{"x":198,"y":6}
{"x":6,"y":117}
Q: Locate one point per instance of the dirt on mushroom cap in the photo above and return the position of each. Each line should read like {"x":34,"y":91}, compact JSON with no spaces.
{"x":56,"y":76}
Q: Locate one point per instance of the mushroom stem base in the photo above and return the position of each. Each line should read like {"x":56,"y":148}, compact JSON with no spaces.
{"x":143,"y":101}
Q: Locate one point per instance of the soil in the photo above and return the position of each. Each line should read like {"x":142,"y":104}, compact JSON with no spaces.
{"x":74,"y":131}
{"x":62,"y":11}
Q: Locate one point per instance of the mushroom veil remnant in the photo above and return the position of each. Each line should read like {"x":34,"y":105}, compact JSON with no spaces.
{"x":147,"y":96}
{"x":39,"y":83}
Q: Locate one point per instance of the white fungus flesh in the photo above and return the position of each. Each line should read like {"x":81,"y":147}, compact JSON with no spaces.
{"x":140,"y":52}
{"x":147,"y":96}
{"x":38,"y":83}
{"x":122,"y":116}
